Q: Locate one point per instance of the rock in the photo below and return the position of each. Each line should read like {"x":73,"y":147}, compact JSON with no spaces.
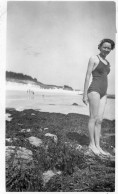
{"x":18,"y":157}
{"x":20,"y":152}
{"x":53,"y":136}
{"x":9,"y":151}
{"x":46,"y":128}
{"x":21,"y":156}
{"x":58,"y":172}
{"x":49,"y":174}
{"x":79,"y":147}
{"x":75,"y":104}
{"x":35,"y":141}
{"x":24,"y":153}
{"x":8,"y":117}
{"x":26,"y":130}
{"x":20,"y":124}
{"x":10,"y":140}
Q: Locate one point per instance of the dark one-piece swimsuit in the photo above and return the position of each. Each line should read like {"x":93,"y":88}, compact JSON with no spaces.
{"x":99,"y":78}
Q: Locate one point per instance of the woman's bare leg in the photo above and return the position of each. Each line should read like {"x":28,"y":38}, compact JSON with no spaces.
{"x":98,"y":124}
{"x":94,"y":101}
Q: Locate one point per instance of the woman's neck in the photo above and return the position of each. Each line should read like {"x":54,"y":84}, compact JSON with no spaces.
{"x":102,"y":56}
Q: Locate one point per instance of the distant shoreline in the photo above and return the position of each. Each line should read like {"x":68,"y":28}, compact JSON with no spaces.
{"x":24,"y":87}
{"x":15,"y":86}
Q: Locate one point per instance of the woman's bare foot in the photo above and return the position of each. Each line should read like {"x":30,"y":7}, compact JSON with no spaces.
{"x":103,"y":152}
{"x":94,"y":150}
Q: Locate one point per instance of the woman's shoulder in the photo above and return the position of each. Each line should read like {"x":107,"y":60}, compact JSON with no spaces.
{"x":93,"y":58}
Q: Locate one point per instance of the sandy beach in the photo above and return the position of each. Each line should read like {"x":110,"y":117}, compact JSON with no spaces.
{"x":50,"y":100}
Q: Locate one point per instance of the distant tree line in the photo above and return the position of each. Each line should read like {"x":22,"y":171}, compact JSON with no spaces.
{"x":22,"y":77}
{"x":19,"y":76}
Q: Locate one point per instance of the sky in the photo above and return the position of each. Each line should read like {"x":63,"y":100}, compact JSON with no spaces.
{"x":53,"y":40}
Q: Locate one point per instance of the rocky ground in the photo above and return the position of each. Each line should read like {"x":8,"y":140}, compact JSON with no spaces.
{"x":48,"y":152}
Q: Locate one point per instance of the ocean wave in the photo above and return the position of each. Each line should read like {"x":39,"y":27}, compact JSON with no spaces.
{"x":33,"y":88}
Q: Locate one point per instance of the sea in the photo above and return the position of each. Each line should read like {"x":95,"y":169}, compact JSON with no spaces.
{"x":55,"y":102}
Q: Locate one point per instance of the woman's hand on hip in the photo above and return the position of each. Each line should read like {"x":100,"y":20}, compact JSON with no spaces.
{"x":85,"y":99}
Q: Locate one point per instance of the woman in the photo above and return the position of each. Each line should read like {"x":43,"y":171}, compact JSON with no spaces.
{"x":96,"y":94}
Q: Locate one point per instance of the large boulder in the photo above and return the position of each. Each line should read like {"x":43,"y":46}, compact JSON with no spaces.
{"x":18,"y":155}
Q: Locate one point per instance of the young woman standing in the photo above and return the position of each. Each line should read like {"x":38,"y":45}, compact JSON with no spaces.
{"x":96,"y":93}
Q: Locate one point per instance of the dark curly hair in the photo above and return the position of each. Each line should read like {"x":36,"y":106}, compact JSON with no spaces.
{"x":109,"y":41}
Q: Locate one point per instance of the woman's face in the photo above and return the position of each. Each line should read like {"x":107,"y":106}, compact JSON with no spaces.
{"x":105,"y":48}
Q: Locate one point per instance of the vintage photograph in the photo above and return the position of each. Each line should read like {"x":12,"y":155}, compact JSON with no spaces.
{"x":60,"y":96}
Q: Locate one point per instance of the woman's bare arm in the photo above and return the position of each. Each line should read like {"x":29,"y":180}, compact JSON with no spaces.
{"x":87,"y":78}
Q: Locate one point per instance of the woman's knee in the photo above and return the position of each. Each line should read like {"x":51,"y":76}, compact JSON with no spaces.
{"x":98,"y":121}
{"x":93,"y":118}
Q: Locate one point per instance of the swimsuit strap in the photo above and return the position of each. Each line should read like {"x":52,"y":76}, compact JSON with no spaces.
{"x":98,"y":57}
{"x":102,"y":61}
